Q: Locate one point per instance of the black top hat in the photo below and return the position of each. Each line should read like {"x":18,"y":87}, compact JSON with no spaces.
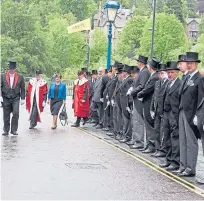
{"x":120,"y":68}
{"x":116,"y":63}
{"x":88,"y":73}
{"x":182,"y":58}
{"x":84,"y":69}
{"x":38,"y":72}
{"x":192,"y":56}
{"x":172,"y":65}
{"x":127,"y":68}
{"x":94,"y":72}
{"x":162,"y":67}
{"x":135,"y":69}
{"x":154,"y":63}
{"x":12,"y":64}
{"x":142,"y":59}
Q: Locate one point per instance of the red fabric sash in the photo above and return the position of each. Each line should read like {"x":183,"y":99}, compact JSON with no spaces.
{"x":15,"y":79}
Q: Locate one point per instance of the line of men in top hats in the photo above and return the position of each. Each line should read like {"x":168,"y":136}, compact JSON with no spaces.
{"x":151,"y":109}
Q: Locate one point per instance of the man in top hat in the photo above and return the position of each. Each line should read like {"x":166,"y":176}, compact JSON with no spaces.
{"x":85,"y":70}
{"x":111,"y":99}
{"x":139,"y":84}
{"x":116,"y":102}
{"x":171,"y":118}
{"x":12,"y":90}
{"x":157,"y":109}
{"x":182,"y":65}
{"x":135,"y":71}
{"x":92,"y":80}
{"x":188,"y":132}
{"x":36,"y":97}
{"x":124,"y":100}
{"x":146,"y":96}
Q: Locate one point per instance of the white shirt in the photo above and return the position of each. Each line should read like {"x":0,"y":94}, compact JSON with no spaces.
{"x":11,"y":80}
{"x":152,"y":73}
{"x":193,"y":73}
{"x":141,"y":68}
{"x":172,"y":82}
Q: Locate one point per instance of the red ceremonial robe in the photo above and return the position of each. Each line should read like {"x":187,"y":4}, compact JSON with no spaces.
{"x":41,"y":89}
{"x":81,"y":109}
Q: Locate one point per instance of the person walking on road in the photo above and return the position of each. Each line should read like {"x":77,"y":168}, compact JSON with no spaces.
{"x":56,"y":98}
{"x":12,"y":90}
{"x":36,"y":98}
{"x":81,"y":98}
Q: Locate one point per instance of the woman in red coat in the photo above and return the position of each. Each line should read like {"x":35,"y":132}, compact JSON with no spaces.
{"x":81,"y":95}
{"x":36,"y":97}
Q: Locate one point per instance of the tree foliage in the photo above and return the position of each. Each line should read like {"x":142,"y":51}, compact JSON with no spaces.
{"x":199,"y":47}
{"x":169,"y":35}
{"x":201,"y":25}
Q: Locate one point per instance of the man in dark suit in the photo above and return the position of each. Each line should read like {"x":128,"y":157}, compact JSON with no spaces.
{"x":124,"y":100}
{"x":12,"y":90}
{"x":182,"y":65}
{"x":171,"y":118}
{"x":188,"y":132}
{"x":157,"y":109}
{"x":145,"y":96}
{"x":139,"y":84}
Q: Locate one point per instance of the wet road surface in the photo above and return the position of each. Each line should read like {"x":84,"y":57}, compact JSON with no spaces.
{"x":70,"y":164}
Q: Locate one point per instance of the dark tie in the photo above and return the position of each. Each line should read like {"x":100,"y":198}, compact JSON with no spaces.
{"x":187,"y":78}
{"x":183,"y":77}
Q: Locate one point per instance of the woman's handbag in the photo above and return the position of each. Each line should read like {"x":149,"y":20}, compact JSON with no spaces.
{"x":63,"y":116}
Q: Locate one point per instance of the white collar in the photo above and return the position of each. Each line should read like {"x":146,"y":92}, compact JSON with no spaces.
{"x":153,"y":73}
{"x":172,"y":82}
{"x":142,"y":68}
{"x":193,"y":73}
{"x":11,"y":75}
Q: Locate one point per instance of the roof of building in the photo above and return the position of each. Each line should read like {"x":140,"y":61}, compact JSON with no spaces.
{"x":189,"y":20}
{"x":120,"y":21}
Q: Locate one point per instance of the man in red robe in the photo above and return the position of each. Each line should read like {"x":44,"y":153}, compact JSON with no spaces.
{"x":36,"y":98}
{"x":81,"y":97}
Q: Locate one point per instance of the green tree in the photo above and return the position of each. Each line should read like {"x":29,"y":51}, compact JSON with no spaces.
{"x":169,"y":35}
{"x":98,"y":47}
{"x":199,"y":47}
{"x":129,"y":39}
{"x":201,"y":25}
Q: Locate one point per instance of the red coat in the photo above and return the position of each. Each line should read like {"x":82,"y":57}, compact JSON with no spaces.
{"x":41,"y":89}
{"x":81,"y":109}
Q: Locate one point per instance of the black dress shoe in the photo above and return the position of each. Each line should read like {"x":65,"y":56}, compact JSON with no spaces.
{"x":186,"y":174}
{"x":143,"y":149}
{"x":135,"y":146}
{"x":124,"y":140}
{"x":31,"y":127}
{"x":75,"y":125}
{"x":98,"y":126}
{"x":159,"y":154}
{"x":153,"y":154}
{"x":148,"y":151}
{"x":14,"y":133}
{"x":172,"y":168}
{"x":85,"y":121}
{"x":179,"y":171}
{"x":5,"y":133}
{"x":105,"y":129}
{"x":118,"y":137}
{"x":165,"y":164}
{"x":109,"y":134}
{"x":130,"y":142}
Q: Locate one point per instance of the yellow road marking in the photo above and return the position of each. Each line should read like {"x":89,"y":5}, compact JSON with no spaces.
{"x":151,"y":165}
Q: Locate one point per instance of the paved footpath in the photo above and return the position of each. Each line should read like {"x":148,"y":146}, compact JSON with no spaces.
{"x":71,"y":164}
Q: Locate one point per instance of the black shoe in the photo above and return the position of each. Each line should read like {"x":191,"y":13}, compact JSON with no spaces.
{"x":105,"y":129}
{"x":110,"y":134}
{"x":186,"y":174}
{"x":118,"y":137}
{"x":179,"y":171}
{"x":131,"y":142}
{"x":165,"y":164}
{"x":136,"y":146}
{"x":124,"y":140}
{"x":85,"y":121}
{"x":14,"y":133}
{"x":5,"y":133}
{"x":159,"y":154}
{"x":31,"y":127}
{"x":148,"y":151}
{"x":153,"y":154}
{"x":98,"y":126}
{"x":75,"y":125}
{"x":172,"y":168}
{"x":143,"y":149}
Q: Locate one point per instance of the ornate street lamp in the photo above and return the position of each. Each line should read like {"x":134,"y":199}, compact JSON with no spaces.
{"x":111,"y":8}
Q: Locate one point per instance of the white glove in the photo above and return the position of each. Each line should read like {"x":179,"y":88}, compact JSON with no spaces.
{"x":152,"y":114}
{"x":107,"y":96}
{"x":129,"y":91}
{"x":128,"y":109}
{"x":22,"y":101}
{"x":195,"y":121}
{"x":43,"y":103}
{"x":140,"y":99}
{"x":112,"y":102}
{"x":203,"y":127}
{"x":108,"y":103}
{"x":1,"y":99}
{"x":101,"y":99}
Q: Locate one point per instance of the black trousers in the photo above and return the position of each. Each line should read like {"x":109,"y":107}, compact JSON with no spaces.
{"x":158,"y":131}
{"x":11,"y":105}
{"x":34,"y":113}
